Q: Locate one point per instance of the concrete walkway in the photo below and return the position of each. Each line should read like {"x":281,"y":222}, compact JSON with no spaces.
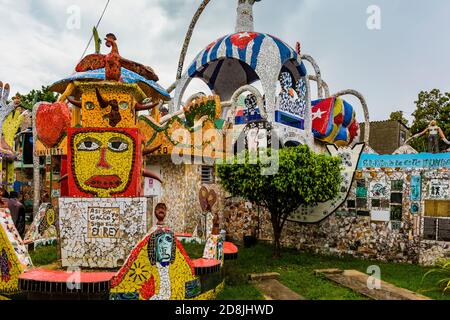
{"x":357,"y":281}
{"x":271,"y":288}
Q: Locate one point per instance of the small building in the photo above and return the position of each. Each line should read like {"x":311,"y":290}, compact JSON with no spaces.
{"x":387,"y":136}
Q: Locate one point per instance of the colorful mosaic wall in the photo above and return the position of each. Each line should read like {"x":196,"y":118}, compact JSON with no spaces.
{"x":181,"y":188}
{"x":100,"y":233}
{"x":43,"y":228}
{"x":194,"y":131}
{"x":14,"y":258}
{"x":388,"y":216}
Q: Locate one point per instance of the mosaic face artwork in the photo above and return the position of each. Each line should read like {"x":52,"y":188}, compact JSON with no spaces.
{"x":157,"y":269}
{"x":162,"y":248}
{"x":104,"y":162}
{"x":109,"y":105}
{"x":247,"y":111}
{"x":43,"y":228}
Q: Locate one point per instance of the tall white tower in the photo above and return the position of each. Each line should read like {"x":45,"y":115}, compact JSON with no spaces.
{"x":244,"y":21}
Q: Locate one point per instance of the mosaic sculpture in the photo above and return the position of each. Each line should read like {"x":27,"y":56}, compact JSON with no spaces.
{"x":435,"y":133}
{"x":200,"y":117}
{"x":232,"y":63}
{"x":350,"y":158}
{"x":94,"y":127}
{"x":158,"y":268}
{"x":334,"y":121}
{"x":214,"y":244}
{"x":14,"y":258}
{"x":207,"y":199}
{"x":11,"y":118}
{"x":42,"y":230}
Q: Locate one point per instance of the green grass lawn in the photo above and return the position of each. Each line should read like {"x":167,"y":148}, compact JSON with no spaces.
{"x":296,"y":271}
{"x":43,"y":255}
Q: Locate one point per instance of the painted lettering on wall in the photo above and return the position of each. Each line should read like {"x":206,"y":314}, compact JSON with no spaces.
{"x":103,"y":222}
{"x":405,"y":161}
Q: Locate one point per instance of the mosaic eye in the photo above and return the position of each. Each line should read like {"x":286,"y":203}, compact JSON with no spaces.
{"x":117,"y":145}
{"x":88,"y":144}
{"x":89,"y":105}
{"x":123,"y":105}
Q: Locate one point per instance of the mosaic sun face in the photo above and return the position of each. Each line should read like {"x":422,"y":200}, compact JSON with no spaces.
{"x":102,"y":162}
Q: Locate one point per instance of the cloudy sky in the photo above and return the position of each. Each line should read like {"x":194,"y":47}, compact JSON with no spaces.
{"x":390,"y":66}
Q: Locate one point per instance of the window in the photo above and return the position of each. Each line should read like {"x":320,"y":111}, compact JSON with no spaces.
{"x":376,"y":203}
{"x":363,"y":213}
{"x":207,"y":174}
{"x":397,"y":185}
{"x":436,"y":223}
{"x":361,"y":203}
{"x":443,"y":230}
{"x":437,"y":208}
{"x":361,"y":189}
{"x":396,"y":198}
{"x":396,"y":213}
{"x":429,"y":228}
{"x":351,"y":204}
{"x":385,"y":204}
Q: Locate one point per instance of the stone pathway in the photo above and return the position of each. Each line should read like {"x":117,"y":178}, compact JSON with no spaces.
{"x":271,"y":288}
{"x":357,"y":281}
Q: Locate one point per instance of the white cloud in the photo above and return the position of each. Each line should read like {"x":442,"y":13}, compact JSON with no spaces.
{"x":389,"y":66}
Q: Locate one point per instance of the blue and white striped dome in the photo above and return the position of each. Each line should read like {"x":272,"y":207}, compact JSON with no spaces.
{"x":252,"y":49}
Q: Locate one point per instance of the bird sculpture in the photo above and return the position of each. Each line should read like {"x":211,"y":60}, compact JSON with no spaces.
{"x":113,"y":63}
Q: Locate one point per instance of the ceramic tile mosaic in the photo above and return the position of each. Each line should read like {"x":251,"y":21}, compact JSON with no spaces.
{"x":100,"y":233}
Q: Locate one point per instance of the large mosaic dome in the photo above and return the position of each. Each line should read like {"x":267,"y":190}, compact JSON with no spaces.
{"x":239,"y":59}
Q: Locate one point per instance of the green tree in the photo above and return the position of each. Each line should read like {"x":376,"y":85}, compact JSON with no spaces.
{"x":303,"y":178}
{"x":398,"y":116}
{"x":432,"y":105}
{"x":44,"y":94}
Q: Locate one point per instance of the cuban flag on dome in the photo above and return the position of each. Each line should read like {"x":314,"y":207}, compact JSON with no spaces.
{"x":246,"y":47}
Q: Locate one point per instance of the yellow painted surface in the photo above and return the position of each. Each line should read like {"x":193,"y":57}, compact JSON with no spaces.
{"x":115,"y":149}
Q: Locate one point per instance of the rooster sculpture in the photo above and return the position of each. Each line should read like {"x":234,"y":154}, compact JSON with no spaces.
{"x":113,"y":63}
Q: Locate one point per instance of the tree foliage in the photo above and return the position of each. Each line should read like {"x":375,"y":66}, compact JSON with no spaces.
{"x":398,"y":116}
{"x":303,"y":178}
{"x":432,"y":105}
{"x":30,"y":99}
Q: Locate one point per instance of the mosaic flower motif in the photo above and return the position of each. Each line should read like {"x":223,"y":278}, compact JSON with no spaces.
{"x":139,"y":272}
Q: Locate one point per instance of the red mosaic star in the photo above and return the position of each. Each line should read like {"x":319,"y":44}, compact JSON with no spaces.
{"x":242,"y":39}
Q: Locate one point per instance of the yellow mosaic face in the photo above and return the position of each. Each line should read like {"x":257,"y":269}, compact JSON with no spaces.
{"x":108,"y":107}
{"x":103,"y":161}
